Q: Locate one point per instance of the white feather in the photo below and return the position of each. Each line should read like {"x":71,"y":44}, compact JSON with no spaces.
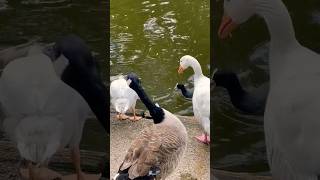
{"x":41,"y":112}
{"x":201,"y":94}
{"x":122,"y":96}
{"x":291,"y":118}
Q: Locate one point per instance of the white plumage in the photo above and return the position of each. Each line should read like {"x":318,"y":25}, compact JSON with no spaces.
{"x":201,"y":94}
{"x":201,"y":102}
{"x":291,"y":121}
{"x":42,"y":113}
{"x":123,"y":97}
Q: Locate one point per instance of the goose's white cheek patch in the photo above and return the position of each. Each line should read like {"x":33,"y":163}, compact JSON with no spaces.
{"x":60,"y":64}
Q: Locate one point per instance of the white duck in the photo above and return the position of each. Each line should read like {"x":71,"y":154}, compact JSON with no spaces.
{"x":291,"y":119}
{"x":74,"y":64}
{"x":201,"y":95}
{"x":33,"y":99}
{"x":123,"y":98}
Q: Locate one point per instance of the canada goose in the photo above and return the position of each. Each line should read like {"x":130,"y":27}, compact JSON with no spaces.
{"x":156,"y":152}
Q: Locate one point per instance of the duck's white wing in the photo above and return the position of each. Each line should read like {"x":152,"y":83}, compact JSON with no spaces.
{"x":201,"y":97}
{"x":201,"y":103}
{"x":132,"y":97}
{"x":25,"y":91}
{"x":117,"y":88}
{"x":60,"y":123}
{"x":72,"y":109}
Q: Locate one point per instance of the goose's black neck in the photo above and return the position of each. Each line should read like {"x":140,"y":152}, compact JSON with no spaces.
{"x":231,"y":82}
{"x":83,"y":75}
{"x":185,"y":92}
{"x":156,"y":112}
{"x":236,"y":91}
{"x":92,"y":89}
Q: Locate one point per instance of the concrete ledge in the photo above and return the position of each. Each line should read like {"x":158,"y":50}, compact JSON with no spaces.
{"x":194,"y":165}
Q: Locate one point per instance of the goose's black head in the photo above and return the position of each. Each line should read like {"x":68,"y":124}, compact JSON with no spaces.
{"x":185,"y":92}
{"x":156,"y":112}
{"x":82,"y":74}
{"x":181,"y":87}
{"x":73,"y":47}
{"x":135,"y":81}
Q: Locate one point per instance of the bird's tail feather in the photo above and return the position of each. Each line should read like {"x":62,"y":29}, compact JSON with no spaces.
{"x":121,"y":105}
{"x":38,"y":138}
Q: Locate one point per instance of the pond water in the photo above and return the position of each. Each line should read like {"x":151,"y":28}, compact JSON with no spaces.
{"x":238,"y":139}
{"x":22,"y":21}
{"x":149,"y":37}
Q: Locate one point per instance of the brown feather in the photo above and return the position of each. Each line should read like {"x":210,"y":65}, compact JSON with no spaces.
{"x":160,"y":146}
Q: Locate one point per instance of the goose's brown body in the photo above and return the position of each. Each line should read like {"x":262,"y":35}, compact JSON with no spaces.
{"x":161,"y":145}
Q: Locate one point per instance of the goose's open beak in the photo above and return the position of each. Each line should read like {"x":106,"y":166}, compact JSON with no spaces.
{"x":180,"y":70}
{"x":226,"y":27}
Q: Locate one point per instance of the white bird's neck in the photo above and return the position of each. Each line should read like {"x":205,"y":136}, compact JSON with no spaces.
{"x":280,"y":29}
{"x":278,"y":21}
{"x":196,"y":69}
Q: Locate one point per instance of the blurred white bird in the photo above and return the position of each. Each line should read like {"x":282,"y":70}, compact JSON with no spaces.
{"x":37,"y":119}
{"x":123,"y":98}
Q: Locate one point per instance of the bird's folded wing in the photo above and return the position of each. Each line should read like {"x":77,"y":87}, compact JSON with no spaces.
{"x":148,"y":150}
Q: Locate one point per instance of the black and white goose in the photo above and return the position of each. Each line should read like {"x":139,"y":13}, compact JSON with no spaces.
{"x":156,"y":152}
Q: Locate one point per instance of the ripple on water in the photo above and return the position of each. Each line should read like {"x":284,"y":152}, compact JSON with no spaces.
{"x":3,"y":5}
{"x":150,"y":5}
{"x":164,"y":3}
{"x":118,"y":46}
{"x":145,"y":2}
{"x":169,"y":18}
{"x":156,"y":28}
{"x":152,"y":29}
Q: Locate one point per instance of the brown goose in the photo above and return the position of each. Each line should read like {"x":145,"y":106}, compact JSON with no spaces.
{"x":156,"y":152}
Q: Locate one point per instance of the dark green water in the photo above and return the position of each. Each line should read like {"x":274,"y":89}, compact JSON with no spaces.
{"x":21,"y":21}
{"x":239,"y":140}
{"x":149,"y":37}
